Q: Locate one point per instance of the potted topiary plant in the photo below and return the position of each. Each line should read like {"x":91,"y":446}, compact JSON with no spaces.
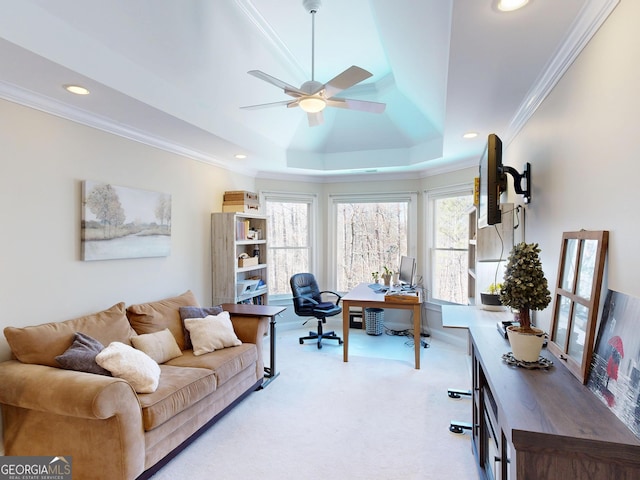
{"x":524,"y":289}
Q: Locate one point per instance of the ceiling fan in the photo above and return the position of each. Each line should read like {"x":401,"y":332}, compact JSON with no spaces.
{"x":313,"y":96}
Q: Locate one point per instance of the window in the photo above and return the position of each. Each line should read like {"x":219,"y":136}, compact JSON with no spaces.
{"x":370,"y":232}
{"x":449,"y":212}
{"x":290,"y":225}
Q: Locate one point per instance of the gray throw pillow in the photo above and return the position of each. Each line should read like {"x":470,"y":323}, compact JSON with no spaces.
{"x":81,"y":355}
{"x":195,"y":312}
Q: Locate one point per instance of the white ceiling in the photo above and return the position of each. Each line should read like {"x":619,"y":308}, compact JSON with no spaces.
{"x":174,"y":74}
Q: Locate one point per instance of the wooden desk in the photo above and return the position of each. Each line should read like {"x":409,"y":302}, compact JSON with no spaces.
{"x":270,"y":311}
{"x":365,"y":297}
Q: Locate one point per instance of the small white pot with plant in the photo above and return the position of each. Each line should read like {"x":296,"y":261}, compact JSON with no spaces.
{"x":525,"y":288}
{"x":386,"y":276}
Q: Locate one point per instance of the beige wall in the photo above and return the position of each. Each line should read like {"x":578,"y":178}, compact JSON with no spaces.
{"x":583,"y":146}
{"x":44,"y":160}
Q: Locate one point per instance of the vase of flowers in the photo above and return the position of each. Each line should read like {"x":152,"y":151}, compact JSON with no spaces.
{"x":386,"y":276}
{"x":525,"y":288}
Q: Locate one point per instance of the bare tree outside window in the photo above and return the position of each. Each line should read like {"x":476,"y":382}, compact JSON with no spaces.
{"x":449,"y":256}
{"x":370,"y":236}
{"x":289,"y":243}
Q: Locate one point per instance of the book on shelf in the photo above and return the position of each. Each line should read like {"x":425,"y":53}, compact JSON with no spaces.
{"x":242,"y":228}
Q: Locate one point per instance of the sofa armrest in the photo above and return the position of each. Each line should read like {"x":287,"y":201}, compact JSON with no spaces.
{"x":65,"y":392}
{"x":94,"y":418}
{"x":250,"y":329}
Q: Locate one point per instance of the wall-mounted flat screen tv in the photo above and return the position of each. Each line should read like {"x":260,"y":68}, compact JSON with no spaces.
{"x":492,"y":182}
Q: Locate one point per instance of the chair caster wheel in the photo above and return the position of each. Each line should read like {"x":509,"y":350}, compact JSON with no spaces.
{"x":301,"y":342}
{"x":319,"y":346}
{"x":340,"y":342}
{"x":456,"y":429}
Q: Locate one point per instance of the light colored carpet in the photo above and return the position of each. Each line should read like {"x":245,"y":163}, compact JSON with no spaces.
{"x":375,"y":417}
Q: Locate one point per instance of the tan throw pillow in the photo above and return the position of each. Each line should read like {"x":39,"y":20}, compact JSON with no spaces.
{"x":161,"y":346}
{"x":155,"y":316}
{"x":41,"y":344}
{"x":212,"y":332}
{"x":134,"y":366}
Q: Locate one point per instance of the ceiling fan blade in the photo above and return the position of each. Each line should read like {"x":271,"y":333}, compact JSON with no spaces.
{"x":288,"y":89}
{"x":272,"y":104}
{"x":315,"y":119}
{"x":344,"y":80}
{"x":360,"y":105}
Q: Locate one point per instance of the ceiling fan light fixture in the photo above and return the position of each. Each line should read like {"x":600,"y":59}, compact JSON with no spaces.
{"x":312,"y":104}
{"x":511,"y":5}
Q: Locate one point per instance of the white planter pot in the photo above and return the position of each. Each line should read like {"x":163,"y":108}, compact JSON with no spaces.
{"x":526,"y":346}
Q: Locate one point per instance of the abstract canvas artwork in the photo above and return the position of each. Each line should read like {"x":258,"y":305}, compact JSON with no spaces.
{"x":615,"y":365}
{"x":122,"y":222}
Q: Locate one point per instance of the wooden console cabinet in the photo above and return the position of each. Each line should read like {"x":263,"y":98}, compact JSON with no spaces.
{"x":540,"y":424}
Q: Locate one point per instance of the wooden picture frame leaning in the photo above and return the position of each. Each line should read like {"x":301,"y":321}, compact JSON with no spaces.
{"x":577,"y":299}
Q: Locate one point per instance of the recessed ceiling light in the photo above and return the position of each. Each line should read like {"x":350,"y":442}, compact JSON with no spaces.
{"x":470,"y":135}
{"x":77,"y":89}
{"x":511,"y":5}
{"x":240,"y":156}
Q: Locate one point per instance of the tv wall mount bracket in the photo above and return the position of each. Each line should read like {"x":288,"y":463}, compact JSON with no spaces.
{"x":517,"y":180}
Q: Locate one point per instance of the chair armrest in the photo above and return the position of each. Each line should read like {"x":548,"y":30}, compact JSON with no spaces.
{"x":307,"y":299}
{"x":65,"y":392}
{"x":333,"y":293}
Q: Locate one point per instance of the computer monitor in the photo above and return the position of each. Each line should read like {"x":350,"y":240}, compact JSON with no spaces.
{"x":407,"y":271}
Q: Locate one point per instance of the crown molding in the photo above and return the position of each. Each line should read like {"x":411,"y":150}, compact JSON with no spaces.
{"x":585,"y":26}
{"x":28,"y":98}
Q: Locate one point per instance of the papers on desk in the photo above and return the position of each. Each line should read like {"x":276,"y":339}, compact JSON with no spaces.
{"x":402,"y":297}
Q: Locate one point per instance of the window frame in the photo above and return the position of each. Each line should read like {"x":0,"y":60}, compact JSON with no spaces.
{"x":334,"y":199}
{"x":311,"y":199}
{"x":430,"y":198}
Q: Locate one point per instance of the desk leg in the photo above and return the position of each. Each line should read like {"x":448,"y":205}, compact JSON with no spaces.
{"x":270,"y":371}
{"x":345,"y":330}
{"x":417,"y":311}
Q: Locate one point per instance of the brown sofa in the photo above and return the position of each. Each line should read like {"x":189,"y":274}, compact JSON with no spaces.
{"x":108,"y":429}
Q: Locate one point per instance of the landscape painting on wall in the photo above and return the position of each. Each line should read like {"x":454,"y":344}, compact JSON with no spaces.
{"x":615,"y":365}
{"x":121,"y":222}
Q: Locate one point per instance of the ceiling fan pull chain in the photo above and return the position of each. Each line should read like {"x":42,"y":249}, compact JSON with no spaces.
{"x":313,"y":36}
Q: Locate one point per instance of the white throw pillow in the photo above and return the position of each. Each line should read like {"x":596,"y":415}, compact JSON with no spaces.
{"x":212,"y":332}
{"x":134,"y":366}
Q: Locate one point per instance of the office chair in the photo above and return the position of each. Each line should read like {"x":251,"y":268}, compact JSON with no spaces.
{"x":307,"y":302}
